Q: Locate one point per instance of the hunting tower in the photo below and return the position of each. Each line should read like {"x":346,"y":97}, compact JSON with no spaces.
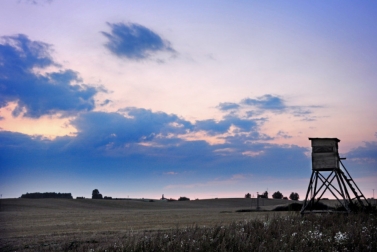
{"x":327,"y":167}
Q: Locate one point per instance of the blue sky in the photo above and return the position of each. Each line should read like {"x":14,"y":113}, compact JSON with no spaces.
{"x":202,"y":100}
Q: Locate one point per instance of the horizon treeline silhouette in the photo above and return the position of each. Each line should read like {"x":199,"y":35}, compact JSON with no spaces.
{"x":38,"y":195}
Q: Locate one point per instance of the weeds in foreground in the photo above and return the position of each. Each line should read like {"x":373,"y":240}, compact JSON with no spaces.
{"x":326,"y":232}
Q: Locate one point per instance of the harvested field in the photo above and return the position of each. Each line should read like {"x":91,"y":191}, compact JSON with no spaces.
{"x":25,"y":217}
{"x":64,"y":224}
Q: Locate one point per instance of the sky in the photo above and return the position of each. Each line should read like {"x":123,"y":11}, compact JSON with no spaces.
{"x":201,"y":99}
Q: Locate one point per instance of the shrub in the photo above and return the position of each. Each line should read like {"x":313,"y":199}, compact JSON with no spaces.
{"x":247,"y":195}
{"x":183,"y":198}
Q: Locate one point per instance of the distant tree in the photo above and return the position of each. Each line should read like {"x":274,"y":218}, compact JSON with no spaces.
{"x":277,"y":195}
{"x":108,"y":197}
{"x":183,"y":198}
{"x":264,"y":195}
{"x":96,"y":194}
{"x":294,"y":196}
{"x":247,"y":195}
{"x":285,"y":198}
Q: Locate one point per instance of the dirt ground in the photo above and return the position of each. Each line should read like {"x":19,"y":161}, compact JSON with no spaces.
{"x":35,"y":221}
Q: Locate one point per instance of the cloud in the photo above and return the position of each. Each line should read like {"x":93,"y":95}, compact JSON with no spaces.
{"x":35,"y":2}
{"x":283,"y":134}
{"x":224,"y":106}
{"x":37,"y":94}
{"x":134,"y":41}
{"x":171,"y":173}
{"x":364,"y":154}
{"x":130,"y":125}
{"x":252,"y":107}
{"x":219,"y":127}
{"x":105,"y":102}
{"x":266,"y":102}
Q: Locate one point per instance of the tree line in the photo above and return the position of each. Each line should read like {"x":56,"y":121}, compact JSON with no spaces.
{"x":275,"y":195}
{"x":45,"y":195}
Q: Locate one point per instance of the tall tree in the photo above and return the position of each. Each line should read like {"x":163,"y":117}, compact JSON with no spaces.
{"x":96,"y":194}
{"x":277,"y":195}
{"x":294,"y":196}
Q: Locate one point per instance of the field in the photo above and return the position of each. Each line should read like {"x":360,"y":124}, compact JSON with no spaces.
{"x":117,"y":225}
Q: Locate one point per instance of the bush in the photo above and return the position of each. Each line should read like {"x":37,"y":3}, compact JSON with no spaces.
{"x":183,"y":198}
{"x":247,"y":195}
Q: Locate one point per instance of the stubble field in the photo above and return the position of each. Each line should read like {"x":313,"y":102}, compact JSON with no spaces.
{"x":24,"y":221}
{"x":202,"y":225}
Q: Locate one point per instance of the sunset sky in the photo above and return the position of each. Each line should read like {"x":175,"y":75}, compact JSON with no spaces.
{"x":201,"y":99}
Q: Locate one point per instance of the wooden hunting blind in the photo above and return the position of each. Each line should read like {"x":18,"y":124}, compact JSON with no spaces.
{"x":325,"y":154}
{"x":329,"y":174}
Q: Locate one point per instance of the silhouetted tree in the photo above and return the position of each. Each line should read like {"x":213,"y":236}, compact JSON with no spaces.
{"x":247,"y":195}
{"x":96,"y":194}
{"x":277,"y":195}
{"x":183,"y":198}
{"x":294,"y":196}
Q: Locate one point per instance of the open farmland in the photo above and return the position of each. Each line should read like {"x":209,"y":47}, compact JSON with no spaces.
{"x":40,"y":219}
{"x":63,"y":224}
{"x":24,"y":217}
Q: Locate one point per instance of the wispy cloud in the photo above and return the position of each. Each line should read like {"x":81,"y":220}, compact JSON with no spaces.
{"x":283,"y":134}
{"x":224,"y":106}
{"x":171,"y":173}
{"x":266,"y":102}
{"x":134,"y":41}
{"x":35,"y":2}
